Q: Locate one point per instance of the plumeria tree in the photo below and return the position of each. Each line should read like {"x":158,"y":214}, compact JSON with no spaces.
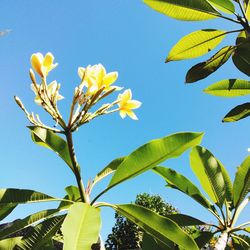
{"x":76,"y":222}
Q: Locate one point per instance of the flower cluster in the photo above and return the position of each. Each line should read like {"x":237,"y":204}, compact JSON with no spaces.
{"x":95,"y":84}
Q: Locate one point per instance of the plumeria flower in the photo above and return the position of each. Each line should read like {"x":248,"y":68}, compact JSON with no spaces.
{"x":126,"y":104}
{"x":95,"y":77}
{"x":42,"y":65}
{"x":52,"y":92}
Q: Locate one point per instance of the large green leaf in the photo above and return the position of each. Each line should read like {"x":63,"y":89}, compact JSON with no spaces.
{"x":191,"y":10}
{"x":241,"y":186}
{"x":185,"y":220}
{"x":49,"y":139}
{"x":239,"y":112}
{"x":210,"y":174}
{"x":17,"y":196}
{"x":29,"y":220}
{"x":196,"y":44}
{"x":161,"y":228}
{"x":224,"y":5}
{"x":153,"y":153}
{"x":180,"y":182}
{"x":204,"y":69}
{"x":81,"y":227}
{"x":40,"y":234}
{"x":229,"y":88}
{"x":109,"y":169}
{"x":6,"y":209}
{"x":9,"y":244}
{"x":241,"y":56}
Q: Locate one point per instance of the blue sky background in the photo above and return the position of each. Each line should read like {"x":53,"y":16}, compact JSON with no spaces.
{"x":128,"y":37}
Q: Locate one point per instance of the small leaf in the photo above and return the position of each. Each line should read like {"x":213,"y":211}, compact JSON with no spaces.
{"x":239,"y":112}
{"x":161,"y":228}
{"x":229,"y":88}
{"x":49,"y":139}
{"x":153,"y":153}
{"x":180,"y":182}
{"x":209,"y":172}
{"x":241,"y":186}
{"x":109,"y":169}
{"x":17,"y":196}
{"x":196,"y":44}
{"x":223,"y":5}
{"x":81,"y":227}
{"x":40,"y":234}
{"x":241,"y":57}
{"x":184,"y":10}
{"x":204,"y":69}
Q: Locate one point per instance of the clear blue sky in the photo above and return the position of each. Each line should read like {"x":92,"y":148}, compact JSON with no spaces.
{"x":128,"y":37}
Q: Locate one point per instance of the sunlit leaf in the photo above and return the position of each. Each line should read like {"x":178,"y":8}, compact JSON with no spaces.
{"x":153,"y":153}
{"x":241,"y":186}
{"x":223,"y":5}
{"x":196,"y":44}
{"x":192,"y":10}
{"x":81,"y":227}
{"x":9,"y":244}
{"x":161,"y":228}
{"x":210,"y":174}
{"x":109,"y":169}
{"x":49,"y":139}
{"x":239,"y":112}
{"x":229,"y":88}
{"x":17,"y":196}
{"x":241,"y":56}
{"x":204,"y":69}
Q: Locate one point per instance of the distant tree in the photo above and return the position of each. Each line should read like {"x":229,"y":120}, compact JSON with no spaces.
{"x":125,"y":234}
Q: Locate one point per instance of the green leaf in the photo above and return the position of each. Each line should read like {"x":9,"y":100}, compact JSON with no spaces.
{"x":239,"y":112}
{"x":184,"y":220}
{"x":192,"y":10}
{"x":149,"y":243}
{"x":109,"y":169}
{"x":241,"y":242}
{"x":6,"y":209}
{"x":73,"y":194}
{"x":241,"y":56}
{"x":210,"y":174}
{"x":223,"y":5}
{"x":17,"y":196}
{"x":29,"y":220}
{"x":161,"y":228}
{"x":153,"y":153}
{"x":241,"y":186}
{"x":40,"y":234}
{"x":180,"y":182}
{"x":81,"y":227}
{"x":49,"y":139}
{"x":9,"y":244}
{"x":229,"y":88}
{"x":204,"y":69}
{"x":196,"y":44}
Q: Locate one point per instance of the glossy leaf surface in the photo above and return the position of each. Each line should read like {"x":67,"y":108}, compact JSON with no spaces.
{"x":196,"y":44}
{"x":192,"y":10}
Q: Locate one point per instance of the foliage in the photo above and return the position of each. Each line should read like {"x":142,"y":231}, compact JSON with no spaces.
{"x":77,"y":211}
{"x":201,"y":42}
{"x":127,"y":235}
{"x":226,"y":199}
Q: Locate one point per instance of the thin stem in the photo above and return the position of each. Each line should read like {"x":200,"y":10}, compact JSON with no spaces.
{"x":99,"y":195}
{"x":76,"y":167}
{"x":242,"y":10}
{"x":224,"y":17}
